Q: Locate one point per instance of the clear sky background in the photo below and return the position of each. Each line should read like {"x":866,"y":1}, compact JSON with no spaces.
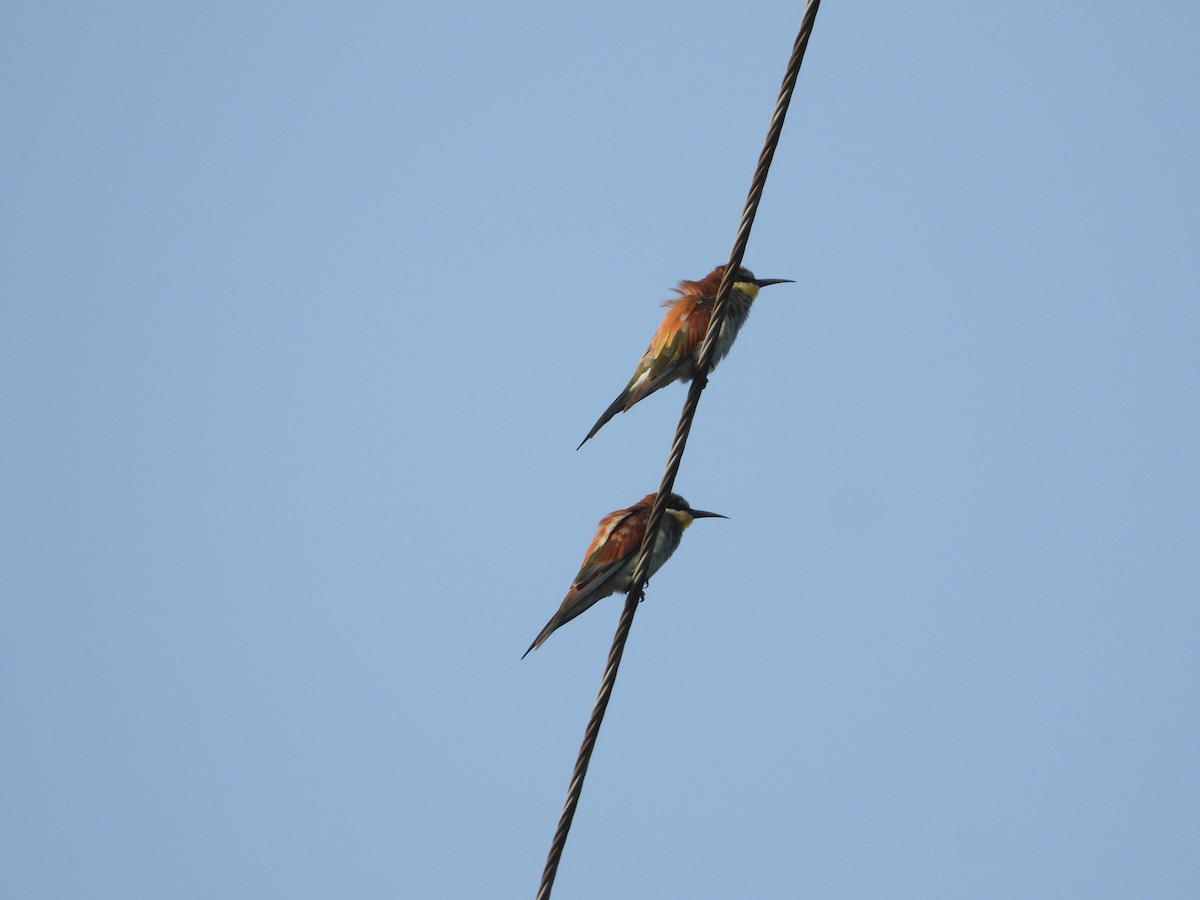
{"x":306,"y":306}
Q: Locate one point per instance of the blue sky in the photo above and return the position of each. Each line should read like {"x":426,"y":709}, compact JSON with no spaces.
{"x":307,"y":306}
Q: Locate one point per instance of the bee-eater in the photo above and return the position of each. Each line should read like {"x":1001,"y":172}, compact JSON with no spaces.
{"x":610,"y":560}
{"x":675,"y":350}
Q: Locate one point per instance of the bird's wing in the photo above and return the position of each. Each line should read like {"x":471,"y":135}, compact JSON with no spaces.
{"x":682,"y":328}
{"x":619,"y":536}
{"x":593,"y":583}
{"x":677,"y":338}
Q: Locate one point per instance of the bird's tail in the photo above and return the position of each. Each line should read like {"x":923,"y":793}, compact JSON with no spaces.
{"x":550,"y":628}
{"x":576,"y":603}
{"x":615,"y":407}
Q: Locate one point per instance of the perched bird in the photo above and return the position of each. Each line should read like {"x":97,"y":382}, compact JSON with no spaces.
{"x":675,"y":350}
{"x":610,"y":560}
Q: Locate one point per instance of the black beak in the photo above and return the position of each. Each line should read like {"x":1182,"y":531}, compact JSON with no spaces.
{"x":701,"y":514}
{"x":763,"y":282}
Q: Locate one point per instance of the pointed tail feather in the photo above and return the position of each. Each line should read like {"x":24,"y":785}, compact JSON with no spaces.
{"x":550,"y":628}
{"x":576,"y":603}
{"x":615,"y":407}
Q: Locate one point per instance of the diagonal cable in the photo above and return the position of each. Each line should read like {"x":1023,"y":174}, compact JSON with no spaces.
{"x":699,"y":382}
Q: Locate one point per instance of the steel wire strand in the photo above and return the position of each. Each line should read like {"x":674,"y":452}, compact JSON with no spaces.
{"x":699,"y":382}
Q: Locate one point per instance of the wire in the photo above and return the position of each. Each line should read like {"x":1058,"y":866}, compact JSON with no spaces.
{"x":638,"y":586}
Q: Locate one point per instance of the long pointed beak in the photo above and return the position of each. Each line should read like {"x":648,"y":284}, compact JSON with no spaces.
{"x":701,"y":514}
{"x":763,"y":282}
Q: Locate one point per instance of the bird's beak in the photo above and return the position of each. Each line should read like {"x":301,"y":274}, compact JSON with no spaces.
{"x":701,"y":514}
{"x":763,"y":282}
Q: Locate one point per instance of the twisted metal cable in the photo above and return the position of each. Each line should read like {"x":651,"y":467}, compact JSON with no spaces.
{"x":699,"y":382}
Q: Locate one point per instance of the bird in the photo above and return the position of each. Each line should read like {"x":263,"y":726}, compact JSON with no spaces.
{"x":609,"y":562}
{"x":675,"y":349}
